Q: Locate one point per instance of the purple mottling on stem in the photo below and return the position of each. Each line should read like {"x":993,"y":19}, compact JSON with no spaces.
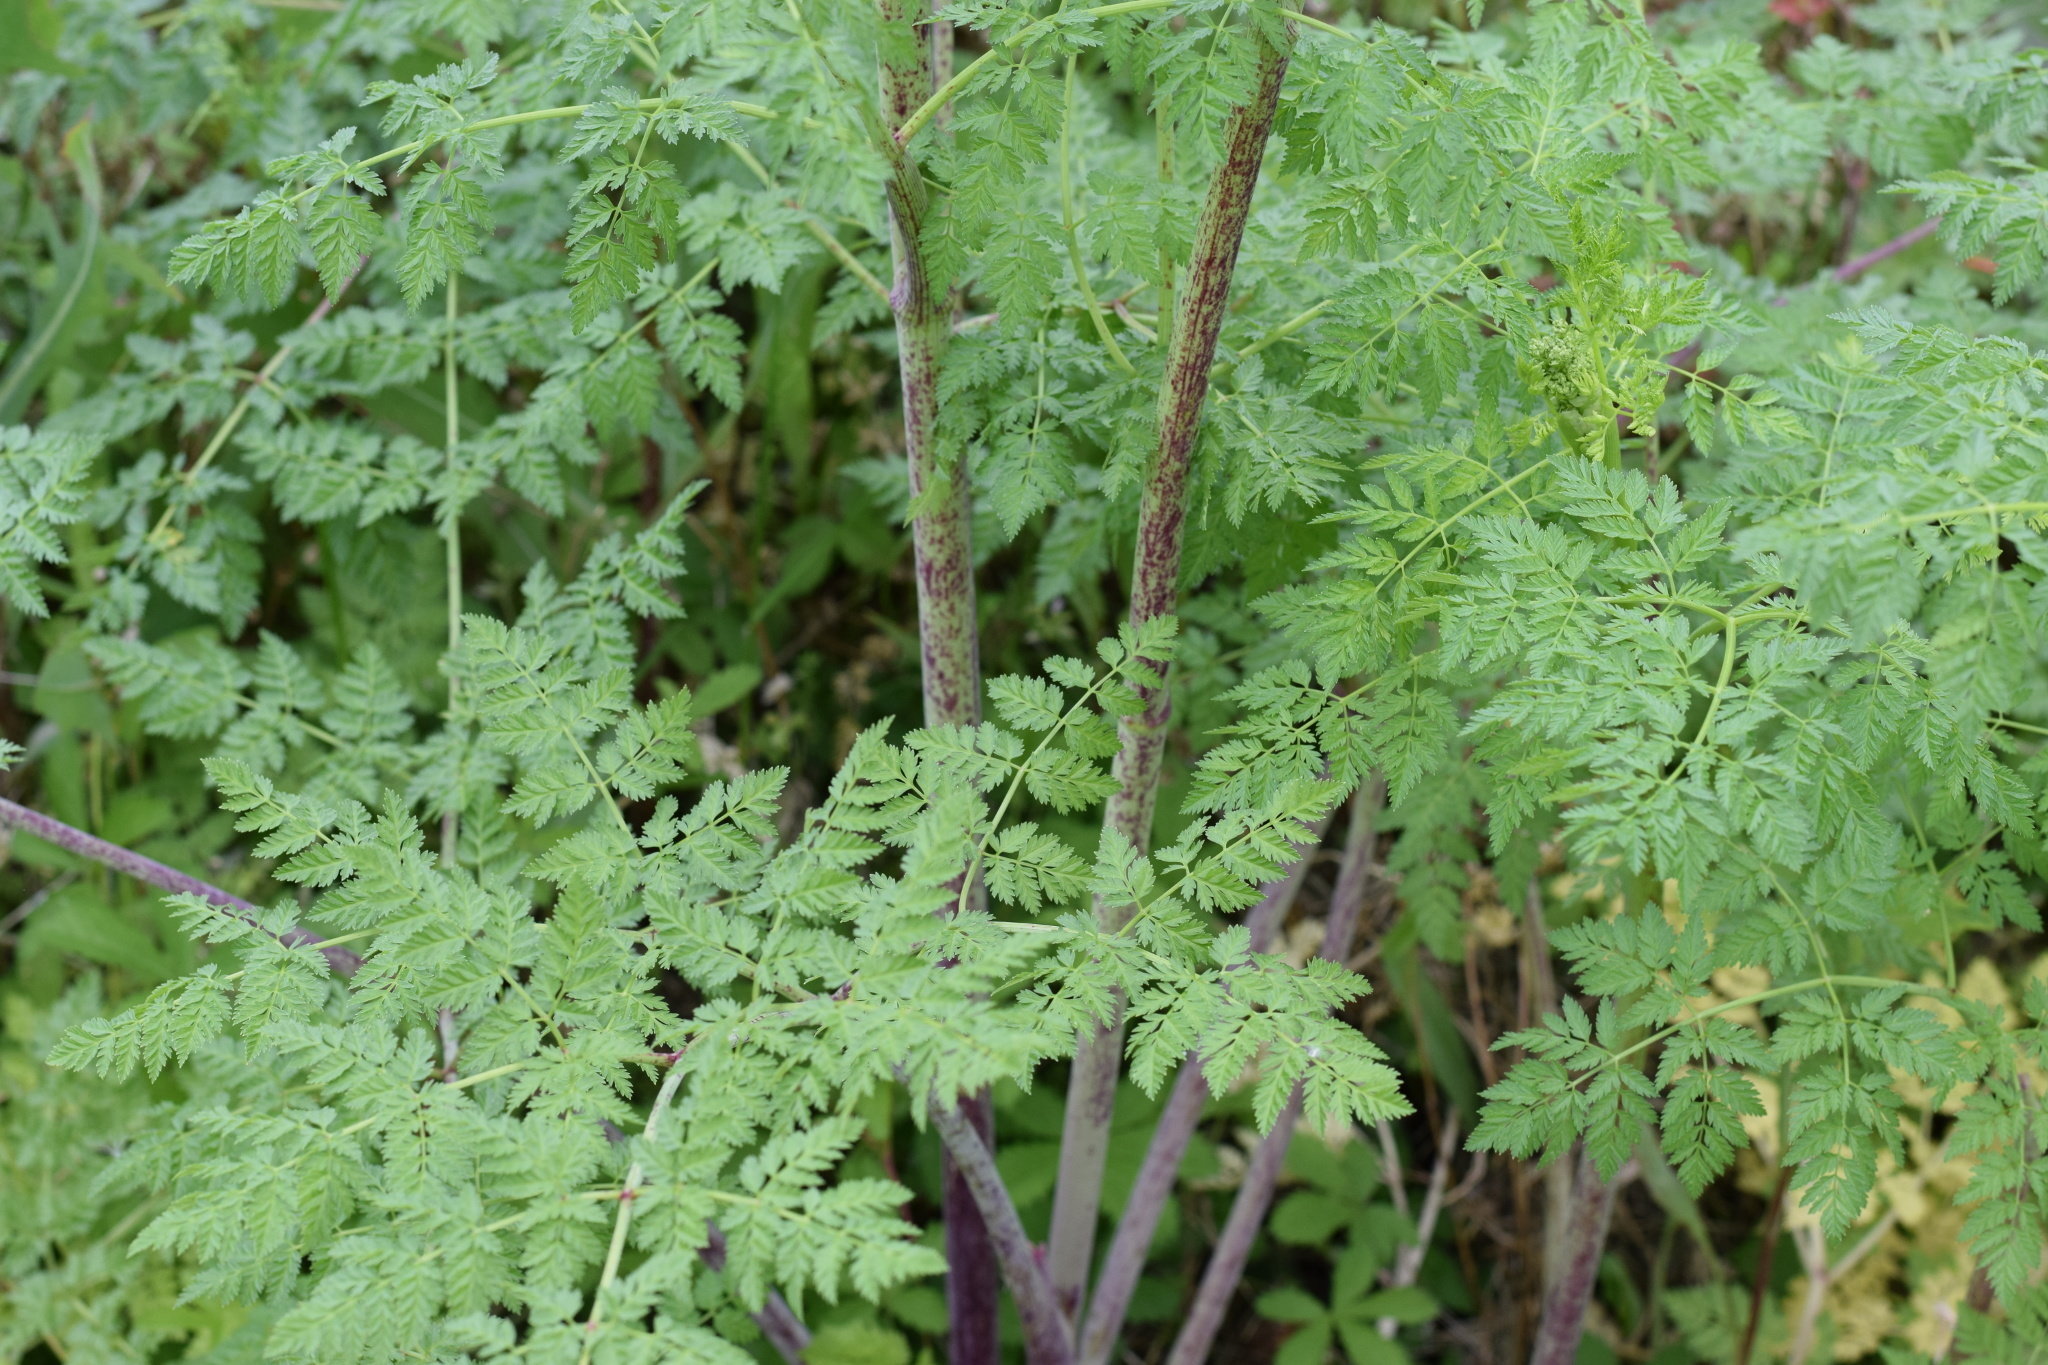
{"x":1183,"y":391}
{"x":1564,"y":1307}
{"x":946,"y":625}
{"x":945,"y":564}
{"x":951,"y":666}
{"x":156,"y":874}
{"x":947,"y":631}
{"x":973,"y":1282}
{"x":1155,"y":573}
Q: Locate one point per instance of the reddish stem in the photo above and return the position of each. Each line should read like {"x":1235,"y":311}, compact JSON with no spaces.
{"x":1124,"y":1262}
{"x":1225,"y":1270}
{"x":1046,"y":1340}
{"x":1760,"y":1285}
{"x":779,"y":1325}
{"x":1234,"y":1245}
{"x":148,"y":870}
{"x":1850,"y":269}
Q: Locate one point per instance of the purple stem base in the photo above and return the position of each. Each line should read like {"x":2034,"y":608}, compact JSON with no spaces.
{"x":777,"y":1321}
{"x":1255,"y":1195}
{"x":1125,"y":1260}
{"x":1046,"y":1339}
{"x":973,"y":1282}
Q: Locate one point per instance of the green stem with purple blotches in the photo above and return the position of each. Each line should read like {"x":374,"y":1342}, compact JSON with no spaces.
{"x":946,"y":624}
{"x":1199,"y":304}
{"x":947,"y":630}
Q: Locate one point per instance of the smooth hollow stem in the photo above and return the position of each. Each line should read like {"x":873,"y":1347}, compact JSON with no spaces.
{"x":1084,"y":1150}
{"x":947,"y":628}
{"x":1877,"y":255}
{"x":784,"y":1331}
{"x":1124,"y":1262}
{"x":1354,"y":873}
{"x":1199,"y":304}
{"x":1571,"y":1287}
{"x":1408,"y":1259}
{"x":779,"y":1324}
{"x":148,"y":870}
{"x":1813,"y":1254}
{"x":1046,"y":1341}
{"x":1248,"y":1210}
{"x":1541,"y":1000}
{"x":1760,"y":1283}
{"x":1234,"y":1244}
{"x":1262,"y":923}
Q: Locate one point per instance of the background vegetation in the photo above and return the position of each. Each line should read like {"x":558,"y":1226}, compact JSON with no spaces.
{"x":631,"y":380}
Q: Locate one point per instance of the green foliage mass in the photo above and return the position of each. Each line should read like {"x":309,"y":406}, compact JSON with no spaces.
{"x":368,"y":495}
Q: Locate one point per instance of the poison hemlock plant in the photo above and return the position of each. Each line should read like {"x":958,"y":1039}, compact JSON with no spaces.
{"x":480,"y":1164}
{"x":1387,"y":407}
